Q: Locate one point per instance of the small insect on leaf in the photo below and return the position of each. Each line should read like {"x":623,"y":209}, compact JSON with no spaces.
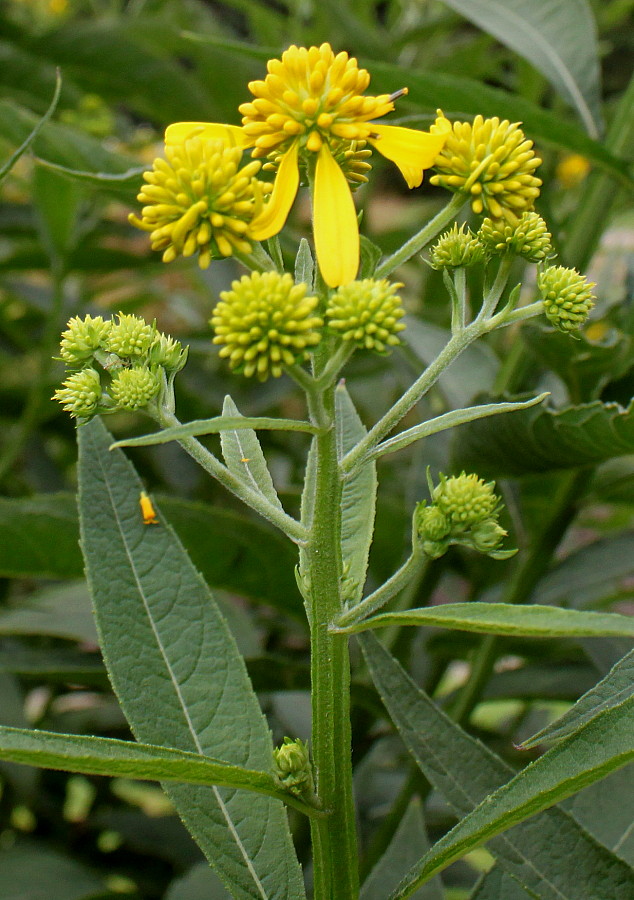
{"x":147,"y":510}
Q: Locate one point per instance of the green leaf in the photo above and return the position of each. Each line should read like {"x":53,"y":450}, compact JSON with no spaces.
{"x":200,"y":883}
{"x":62,"y":612}
{"x":244,"y":457}
{"x":534,"y":31}
{"x":358,"y":498}
{"x":552,"y":856}
{"x":28,"y":140}
{"x":54,"y":665}
{"x":542,"y":439}
{"x":405,"y":848}
{"x":472,"y":373}
{"x":40,"y":537}
{"x":370,"y":255}
{"x":160,"y":629}
{"x":606,"y":810}
{"x":451,"y":420}
{"x":304,"y":265}
{"x":614,"y":689}
{"x":505,"y":618}
{"x":126,"y":759}
{"x":499,"y":885}
{"x":57,"y":207}
{"x":602,"y":745}
{"x":32,"y":871}
{"x":218,"y":425}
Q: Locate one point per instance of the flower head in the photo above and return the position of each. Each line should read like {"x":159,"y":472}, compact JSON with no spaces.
{"x":567,"y":297}
{"x":367,"y":313}
{"x":199,"y":200}
{"x":80,"y":394}
{"x":130,"y":336}
{"x":528,"y":238}
{"x":81,"y":338}
{"x":457,"y":248}
{"x":311,"y":109}
{"x":265,"y":322}
{"x":134,"y":388}
{"x":493,"y":162}
{"x":293,"y":767}
{"x":465,"y":500}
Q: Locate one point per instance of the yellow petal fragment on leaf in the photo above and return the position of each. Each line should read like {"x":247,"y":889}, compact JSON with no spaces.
{"x":179,"y":132}
{"x":335,"y":222}
{"x":412,"y":151}
{"x":271,"y":219}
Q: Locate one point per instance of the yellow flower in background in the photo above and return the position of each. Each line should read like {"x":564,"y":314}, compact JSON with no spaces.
{"x":310,"y":108}
{"x":572,"y":170}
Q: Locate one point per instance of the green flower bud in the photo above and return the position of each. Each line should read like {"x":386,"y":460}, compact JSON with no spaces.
{"x":265,"y":323}
{"x":130,"y":336}
{"x":465,"y":500}
{"x":134,"y":388}
{"x":435,"y":549}
{"x":293,"y":767}
{"x":367,"y":313}
{"x":431,"y":523}
{"x":487,"y":535}
{"x":80,"y":393}
{"x":528,"y":238}
{"x":82,"y":338}
{"x":567,"y":297}
{"x":168,"y":353}
{"x":457,"y":248}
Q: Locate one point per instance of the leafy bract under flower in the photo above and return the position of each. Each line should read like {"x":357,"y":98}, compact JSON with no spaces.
{"x":308,"y":106}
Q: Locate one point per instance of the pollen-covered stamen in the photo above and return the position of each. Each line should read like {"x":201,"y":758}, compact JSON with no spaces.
{"x":198,"y":200}
{"x":312,"y":95}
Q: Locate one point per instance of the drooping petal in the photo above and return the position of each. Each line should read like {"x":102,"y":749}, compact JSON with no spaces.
{"x":271,"y":220}
{"x":335,"y":222}
{"x":412,"y":151}
{"x":179,"y":132}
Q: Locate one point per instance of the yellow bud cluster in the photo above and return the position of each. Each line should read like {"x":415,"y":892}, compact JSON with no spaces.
{"x":492,"y":162}
{"x":567,"y":297}
{"x":528,"y":238}
{"x":465,"y":500}
{"x":367,"y":313}
{"x":199,"y":200}
{"x":457,"y":248}
{"x":265,"y":322}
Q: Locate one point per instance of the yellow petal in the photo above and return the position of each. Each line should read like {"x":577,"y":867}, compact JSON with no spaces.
{"x":181,"y":131}
{"x":411,"y":150}
{"x":335,"y":222}
{"x":271,"y":219}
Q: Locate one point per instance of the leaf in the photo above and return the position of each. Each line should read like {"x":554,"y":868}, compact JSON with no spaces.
{"x":244,"y":457}
{"x":177,"y":672}
{"x":504,"y":618}
{"x":604,"y":744}
{"x":126,"y":759}
{"x":472,"y":373}
{"x":57,"y":208}
{"x":369,"y":257}
{"x":542,"y":439}
{"x":28,"y":141}
{"x":62,"y":612}
{"x":304,"y":265}
{"x":614,"y":689}
{"x":499,"y":885}
{"x":358,"y":499}
{"x":40,"y":537}
{"x":200,"y":883}
{"x":32,"y":871}
{"x":405,"y":848}
{"x":54,"y":665}
{"x":218,"y":425}
{"x":606,"y":810}
{"x":550,"y":855}
{"x":534,"y":31}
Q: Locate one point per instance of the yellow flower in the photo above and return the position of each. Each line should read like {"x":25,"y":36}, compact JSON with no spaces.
{"x":310,"y":108}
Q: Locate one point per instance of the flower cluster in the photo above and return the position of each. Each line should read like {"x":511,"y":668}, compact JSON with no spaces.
{"x":528,"y":238}
{"x":121,"y":364}
{"x":293,"y":768}
{"x":464,"y":510}
{"x":457,"y":248}
{"x":567,"y":297}
{"x":493,"y":163}
{"x":367,"y":313}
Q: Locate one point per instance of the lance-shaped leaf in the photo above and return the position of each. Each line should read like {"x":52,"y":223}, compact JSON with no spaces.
{"x":178,"y":674}
{"x":614,"y":689}
{"x":505,"y":618}
{"x":304,"y":265}
{"x":451,"y":420}
{"x":217,"y":425}
{"x":106,"y":756}
{"x":541,"y":439}
{"x":358,"y":499}
{"x":499,"y":885}
{"x":604,"y":744}
{"x":550,"y":854}
{"x":30,"y":138}
{"x":534,"y":31}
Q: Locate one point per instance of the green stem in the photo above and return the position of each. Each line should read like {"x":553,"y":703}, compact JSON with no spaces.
{"x":492,"y":298}
{"x":423,"y":237}
{"x":394,"y":585}
{"x":253,"y":498}
{"x":334,"y":840}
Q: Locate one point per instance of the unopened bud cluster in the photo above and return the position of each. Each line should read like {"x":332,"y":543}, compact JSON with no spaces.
{"x":567,"y":297}
{"x":529,"y":238}
{"x":115,"y":365}
{"x":293,"y":768}
{"x":367,"y":313}
{"x":456,"y":249}
{"x":464,"y":510}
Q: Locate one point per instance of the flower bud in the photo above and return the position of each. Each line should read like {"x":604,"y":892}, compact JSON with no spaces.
{"x":367,"y":313}
{"x":567,"y":297}
{"x":168,"y":353}
{"x":80,"y":393}
{"x":528,"y":238}
{"x":265,"y":323}
{"x":457,"y":248}
{"x":487,"y":536}
{"x":465,"y":500}
{"x":82,"y":338}
{"x":134,"y":388}
{"x":293,"y":767}
{"x":431,"y":523}
{"x":130,"y":336}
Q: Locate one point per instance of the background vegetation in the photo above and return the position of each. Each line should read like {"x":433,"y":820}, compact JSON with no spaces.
{"x":129,"y":69}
